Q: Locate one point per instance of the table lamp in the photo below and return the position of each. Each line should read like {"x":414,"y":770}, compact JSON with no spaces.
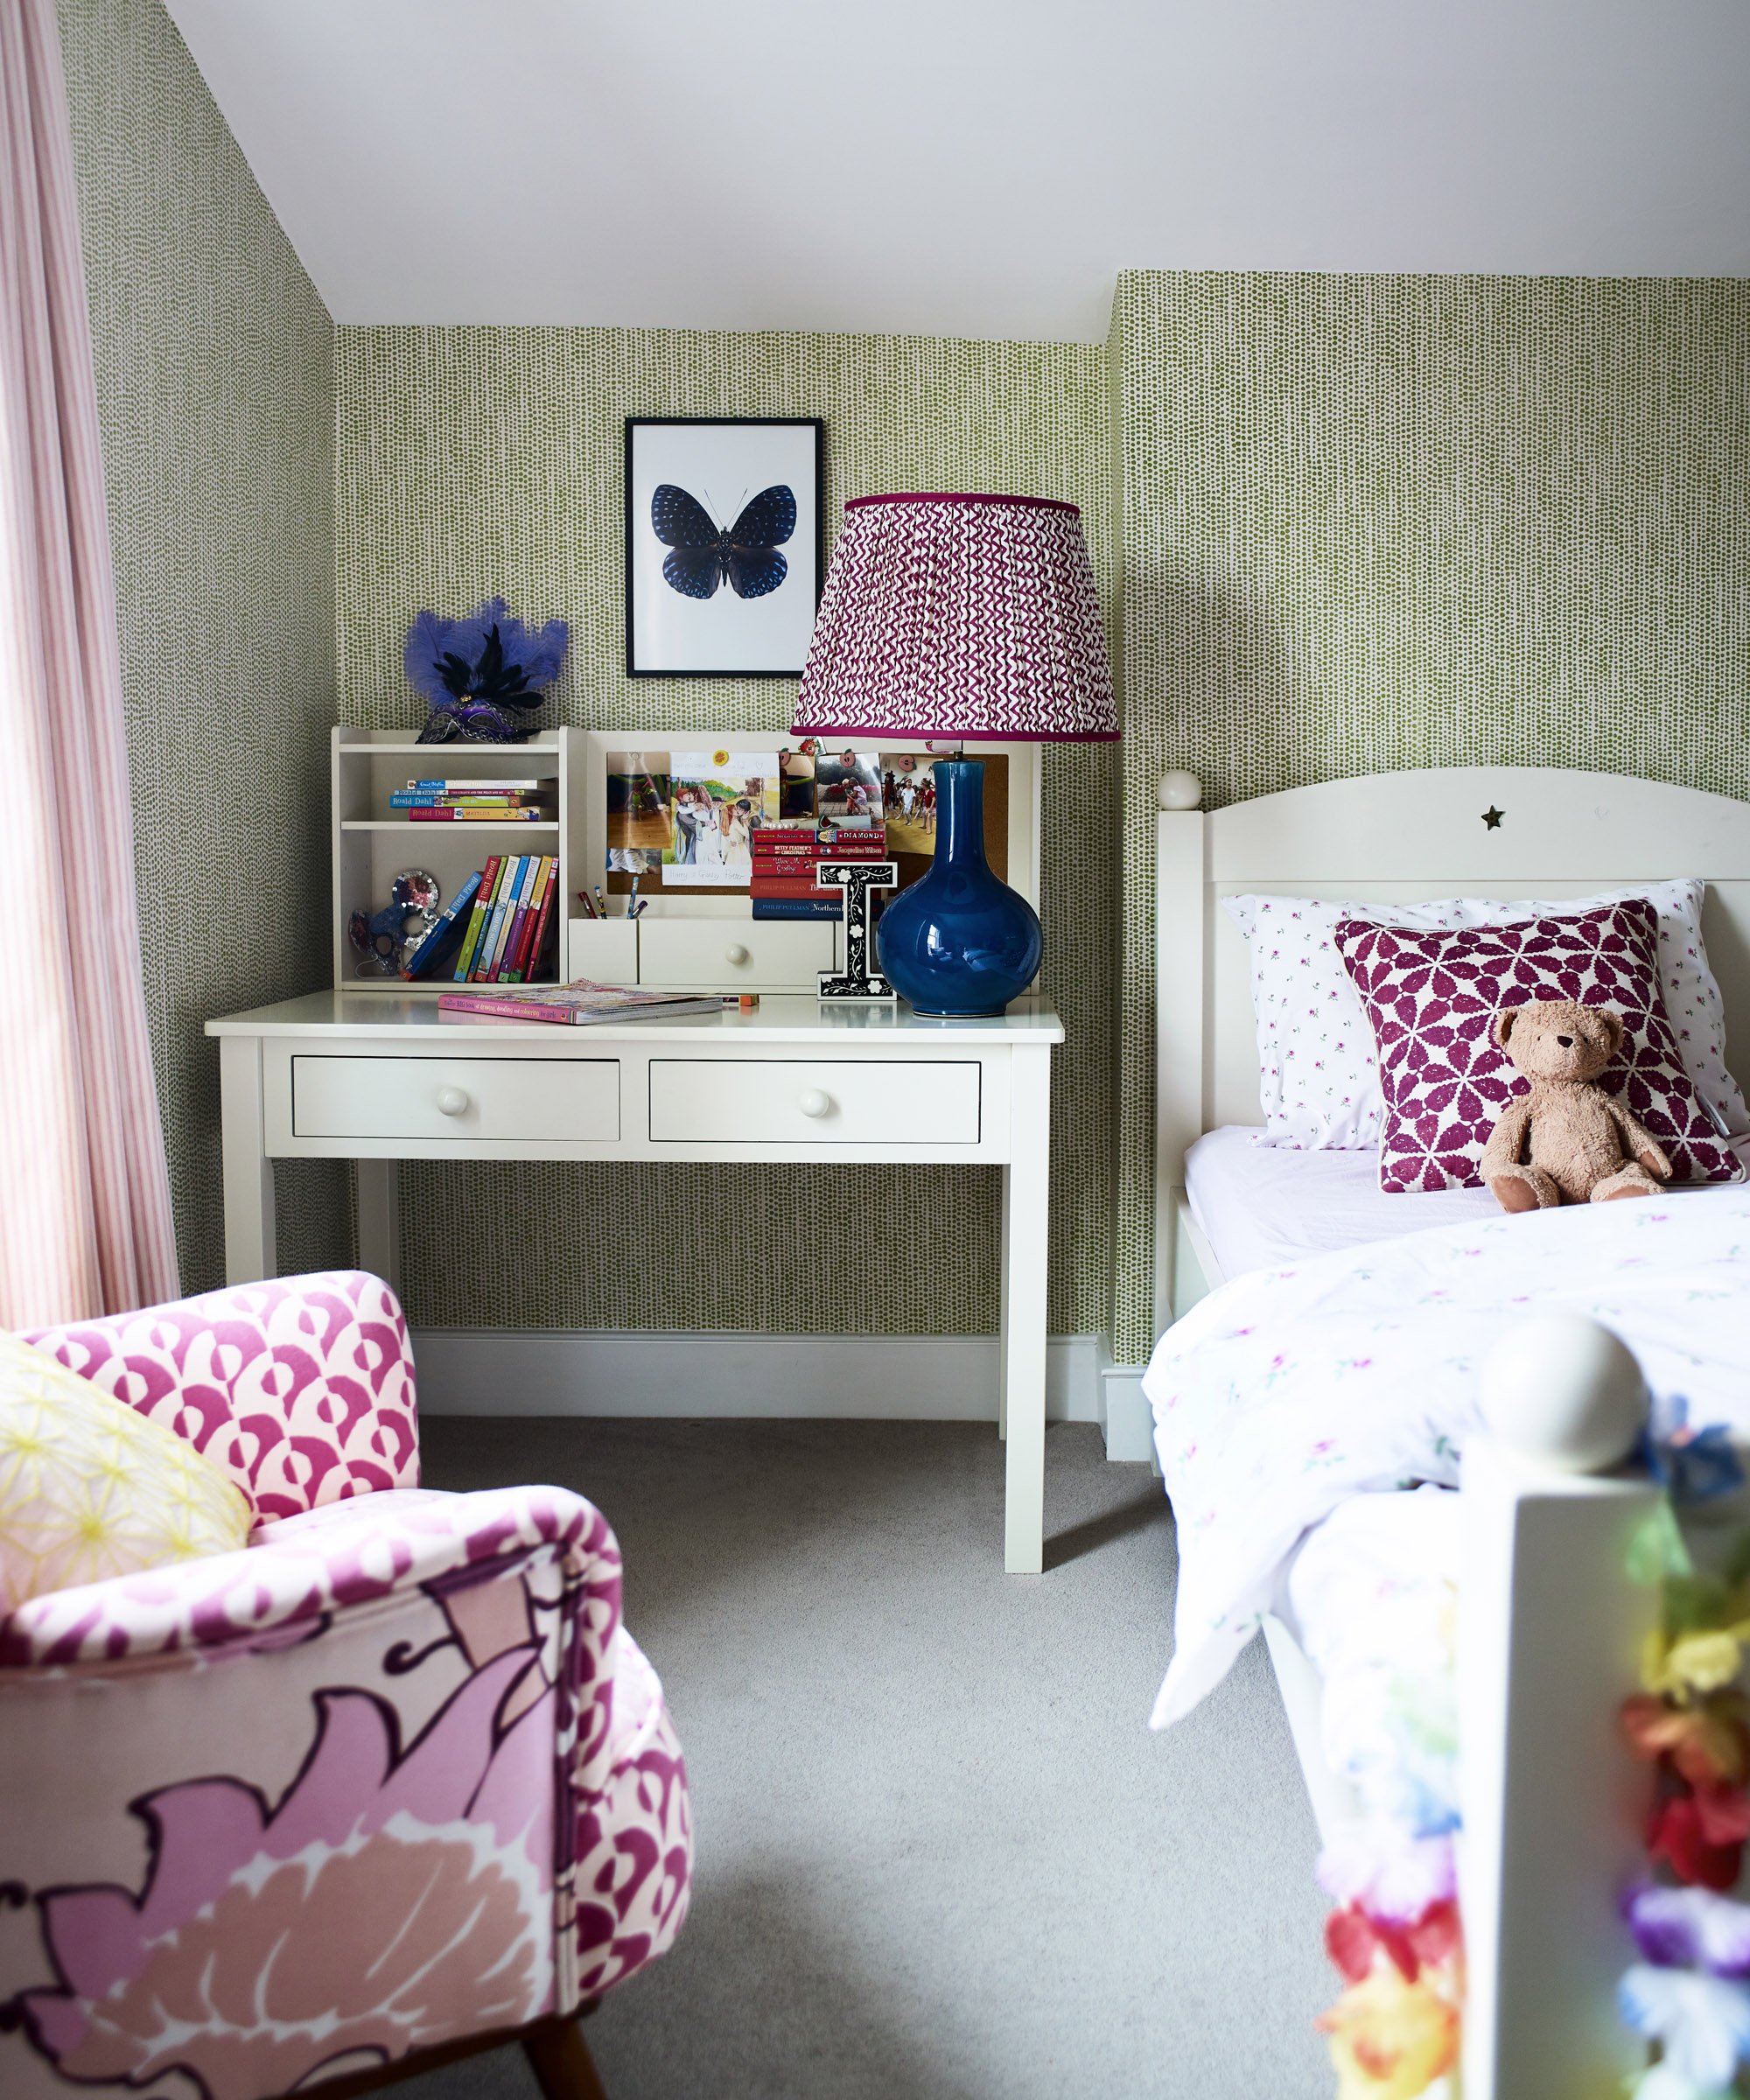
{"x":946,"y":618}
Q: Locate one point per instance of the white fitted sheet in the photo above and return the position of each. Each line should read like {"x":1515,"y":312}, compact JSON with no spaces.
{"x":1266,"y":1207}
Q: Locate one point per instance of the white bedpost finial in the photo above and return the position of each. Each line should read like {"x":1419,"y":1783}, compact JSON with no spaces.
{"x":1563,"y":1392}
{"x":1178,"y":791}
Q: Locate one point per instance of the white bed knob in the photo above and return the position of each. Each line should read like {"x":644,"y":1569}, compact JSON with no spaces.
{"x":735,"y":954}
{"x":1563,"y":1392}
{"x":452,"y":1100}
{"x":1178,"y":791}
{"x":814,"y":1102}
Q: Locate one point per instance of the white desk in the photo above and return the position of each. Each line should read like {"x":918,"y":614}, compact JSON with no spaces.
{"x":379,"y":1078}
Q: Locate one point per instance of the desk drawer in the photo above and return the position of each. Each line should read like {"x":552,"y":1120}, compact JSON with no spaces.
{"x":772,"y":1101}
{"x":734,"y":954}
{"x":502,"y":1100}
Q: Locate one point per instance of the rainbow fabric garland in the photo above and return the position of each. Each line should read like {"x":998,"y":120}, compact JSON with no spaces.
{"x":1689,"y":1991}
{"x":1395,"y":1935}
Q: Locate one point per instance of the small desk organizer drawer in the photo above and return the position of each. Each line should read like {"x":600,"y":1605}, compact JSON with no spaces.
{"x":770,"y":1101}
{"x":734,"y":954}
{"x":517,"y":1101}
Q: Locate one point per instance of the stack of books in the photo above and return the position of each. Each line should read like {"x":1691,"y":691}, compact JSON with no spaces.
{"x":499,"y":926}
{"x":479,"y":801}
{"x":783,"y":884}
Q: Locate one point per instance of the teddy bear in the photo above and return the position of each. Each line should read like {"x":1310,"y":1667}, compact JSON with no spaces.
{"x":1567,"y":1141}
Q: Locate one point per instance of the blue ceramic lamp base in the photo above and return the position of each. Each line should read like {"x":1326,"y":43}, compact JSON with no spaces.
{"x":961,"y":943}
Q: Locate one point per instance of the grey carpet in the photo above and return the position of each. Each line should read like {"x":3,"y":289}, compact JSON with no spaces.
{"x":940,"y":1855}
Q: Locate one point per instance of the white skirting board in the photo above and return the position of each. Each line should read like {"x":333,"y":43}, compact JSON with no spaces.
{"x":1126,"y":1416}
{"x":521,"y":1371}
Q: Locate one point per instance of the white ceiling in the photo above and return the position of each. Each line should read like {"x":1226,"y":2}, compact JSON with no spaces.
{"x":967,"y":167}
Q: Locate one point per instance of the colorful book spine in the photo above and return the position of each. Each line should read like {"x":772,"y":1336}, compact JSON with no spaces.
{"x":409,"y":798}
{"x":792,"y":885}
{"x":820,"y":851}
{"x":506,"y":918}
{"x":518,"y":919}
{"x":826,"y":841}
{"x":425,"y":956}
{"x":479,"y":786}
{"x":524,"y":932}
{"x":797,"y":908}
{"x":481,"y":972}
{"x":522,"y":951}
{"x":537,"y":946}
{"x":479,"y":817}
{"x":477,"y":925}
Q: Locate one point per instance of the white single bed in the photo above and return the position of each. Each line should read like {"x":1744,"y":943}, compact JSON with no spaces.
{"x":1263,"y":1208}
{"x":1550,"y":1800}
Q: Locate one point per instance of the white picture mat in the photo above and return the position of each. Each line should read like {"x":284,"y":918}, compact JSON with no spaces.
{"x":721,"y":467}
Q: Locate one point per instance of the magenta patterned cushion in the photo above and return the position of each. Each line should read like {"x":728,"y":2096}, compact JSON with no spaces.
{"x":1432,"y":996}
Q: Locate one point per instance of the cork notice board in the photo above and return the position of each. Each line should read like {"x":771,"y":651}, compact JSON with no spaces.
{"x":654,"y":797}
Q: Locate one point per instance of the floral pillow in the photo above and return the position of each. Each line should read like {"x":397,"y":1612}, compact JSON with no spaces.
{"x":90,"y":1488}
{"x":1318,"y":1085}
{"x":1432,"y":997}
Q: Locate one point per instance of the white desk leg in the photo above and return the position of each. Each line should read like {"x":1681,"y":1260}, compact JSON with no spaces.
{"x":1002,"y":1353}
{"x":1024,"y":1286}
{"x":251,"y":1256}
{"x":378,"y":1186}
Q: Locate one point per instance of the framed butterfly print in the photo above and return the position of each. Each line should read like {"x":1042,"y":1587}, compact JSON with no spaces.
{"x":724,"y":554}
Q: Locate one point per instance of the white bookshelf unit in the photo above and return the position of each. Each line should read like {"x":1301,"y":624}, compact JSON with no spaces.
{"x":693,"y":940}
{"x":372,"y":843}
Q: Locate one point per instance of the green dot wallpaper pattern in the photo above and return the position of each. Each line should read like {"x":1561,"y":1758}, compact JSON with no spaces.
{"x":1375,"y":522}
{"x":477,"y":461}
{"x":214,"y":362}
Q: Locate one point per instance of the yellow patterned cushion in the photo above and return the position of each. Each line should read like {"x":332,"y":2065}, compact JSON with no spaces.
{"x":90,"y":1489}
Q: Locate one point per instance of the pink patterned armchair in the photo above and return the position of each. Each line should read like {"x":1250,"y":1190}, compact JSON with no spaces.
{"x":392,"y":1784}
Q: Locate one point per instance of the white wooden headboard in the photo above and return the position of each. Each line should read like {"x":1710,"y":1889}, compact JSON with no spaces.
{"x":1402,"y":837}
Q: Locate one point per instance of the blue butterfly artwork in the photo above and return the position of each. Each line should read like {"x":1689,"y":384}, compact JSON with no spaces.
{"x":744,"y":555}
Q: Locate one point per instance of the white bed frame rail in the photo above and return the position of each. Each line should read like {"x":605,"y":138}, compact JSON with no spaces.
{"x":1550,"y":1626}
{"x":1550,"y":1635}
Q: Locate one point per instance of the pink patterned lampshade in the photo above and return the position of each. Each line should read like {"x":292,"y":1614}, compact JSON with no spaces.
{"x":959,"y":616}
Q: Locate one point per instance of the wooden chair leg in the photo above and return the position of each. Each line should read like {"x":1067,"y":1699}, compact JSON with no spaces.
{"x":560,"y":2058}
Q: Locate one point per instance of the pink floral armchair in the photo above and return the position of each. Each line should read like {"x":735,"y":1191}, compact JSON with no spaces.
{"x":393,"y":1779}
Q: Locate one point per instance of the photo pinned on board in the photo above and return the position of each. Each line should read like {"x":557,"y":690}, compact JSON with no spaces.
{"x":848,"y":788}
{"x":796,"y":786}
{"x":637,"y":799}
{"x":908,"y":801}
{"x":717,"y":799}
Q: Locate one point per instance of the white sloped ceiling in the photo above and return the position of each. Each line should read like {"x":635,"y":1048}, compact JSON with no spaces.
{"x":967,"y":167}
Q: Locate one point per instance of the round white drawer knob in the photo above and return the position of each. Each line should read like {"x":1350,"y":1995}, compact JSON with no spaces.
{"x":452,"y":1100}
{"x":735,"y":953}
{"x":814,"y":1102}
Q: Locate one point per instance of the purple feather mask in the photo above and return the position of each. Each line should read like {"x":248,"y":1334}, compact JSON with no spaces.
{"x":482,"y":675}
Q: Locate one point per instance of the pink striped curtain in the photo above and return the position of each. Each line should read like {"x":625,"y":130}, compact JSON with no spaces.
{"x":85,"y":1215}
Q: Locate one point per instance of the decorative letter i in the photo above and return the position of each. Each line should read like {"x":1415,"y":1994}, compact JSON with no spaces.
{"x":856,"y":878}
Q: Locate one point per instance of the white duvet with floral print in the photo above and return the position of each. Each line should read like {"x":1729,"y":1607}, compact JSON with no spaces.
{"x":1288,"y":1390}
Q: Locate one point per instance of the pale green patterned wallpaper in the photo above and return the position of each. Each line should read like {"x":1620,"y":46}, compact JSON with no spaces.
{"x":481,"y":460}
{"x":1382,"y":522}
{"x":215,"y":361}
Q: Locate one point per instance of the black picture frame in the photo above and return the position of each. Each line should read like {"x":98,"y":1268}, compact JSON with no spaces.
{"x":666,"y":640}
